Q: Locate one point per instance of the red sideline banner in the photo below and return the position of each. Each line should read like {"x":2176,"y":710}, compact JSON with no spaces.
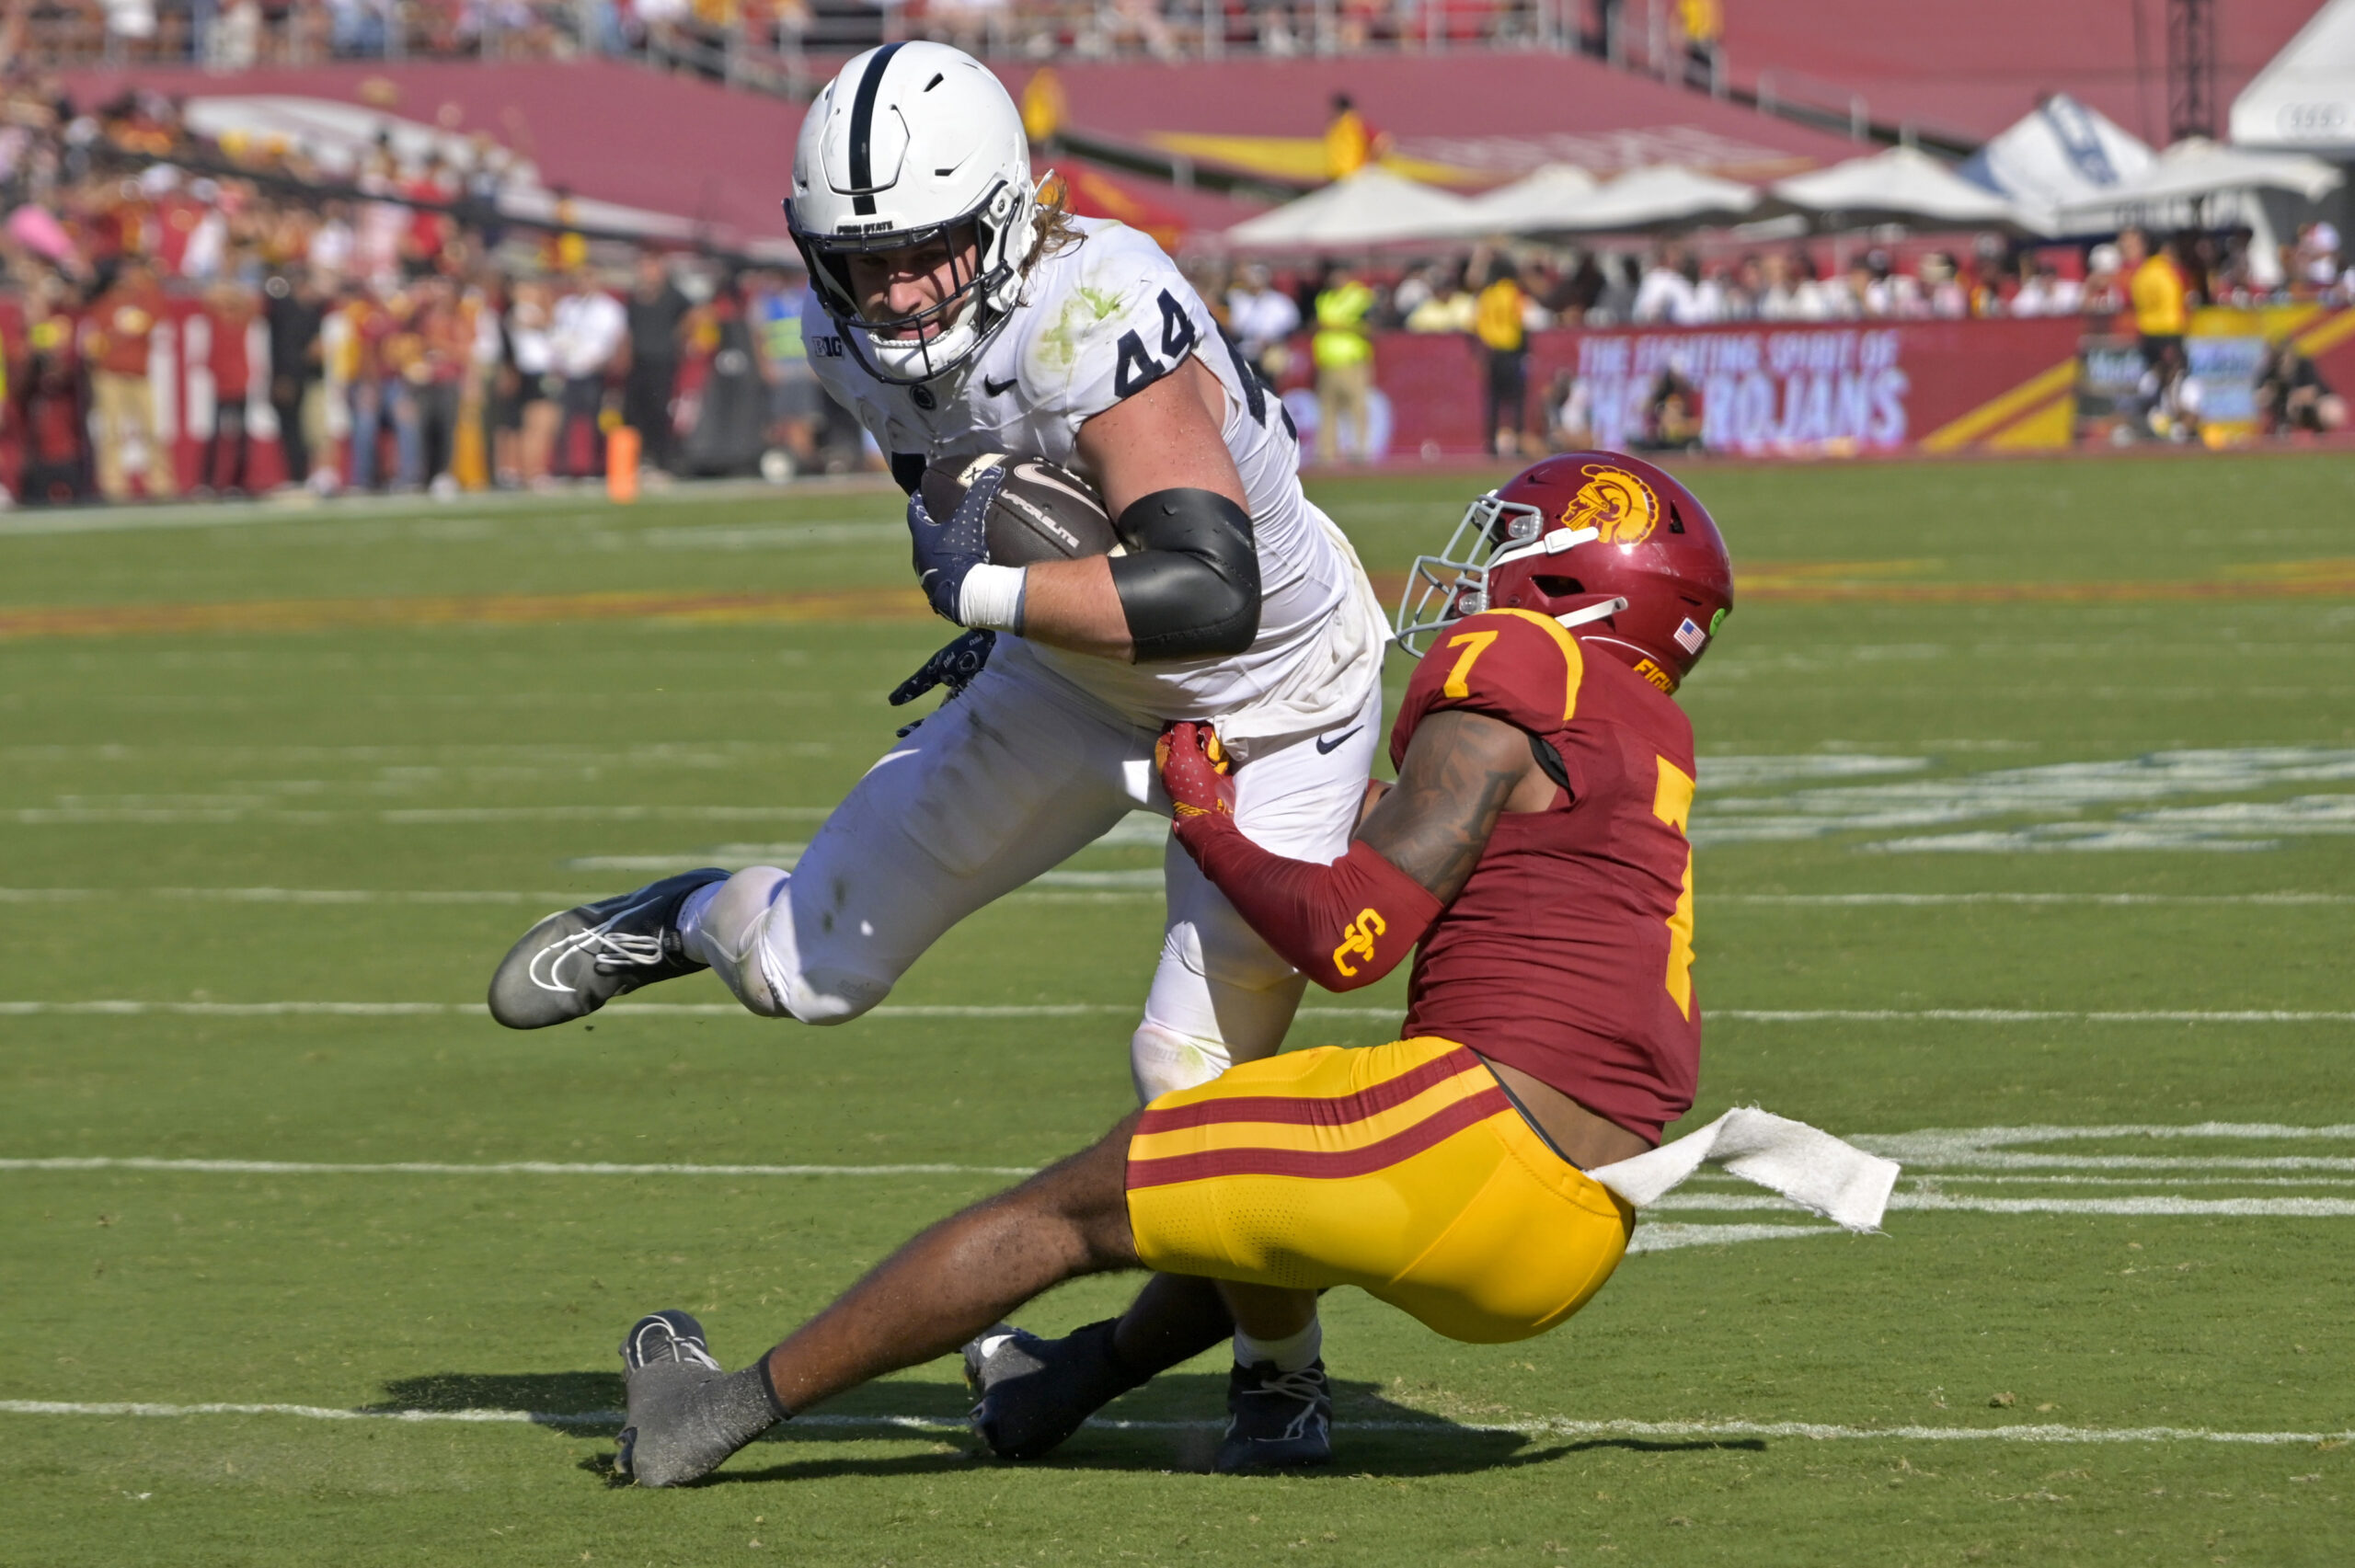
{"x":1760,"y":388}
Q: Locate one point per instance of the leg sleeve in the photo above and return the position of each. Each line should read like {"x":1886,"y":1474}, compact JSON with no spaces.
{"x":1219,"y":994}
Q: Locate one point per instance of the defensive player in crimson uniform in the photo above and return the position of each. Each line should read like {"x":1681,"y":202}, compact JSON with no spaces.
{"x":1533,"y":847}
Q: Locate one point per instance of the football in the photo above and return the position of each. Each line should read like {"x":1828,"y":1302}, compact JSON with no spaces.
{"x":1043,"y":512}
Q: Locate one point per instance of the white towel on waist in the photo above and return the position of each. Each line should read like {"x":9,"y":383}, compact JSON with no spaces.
{"x":1810,"y":1168}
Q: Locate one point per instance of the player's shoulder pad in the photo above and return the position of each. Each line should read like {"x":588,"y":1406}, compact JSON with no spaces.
{"x":1107,"y":319}
{"x":1513,"y":665}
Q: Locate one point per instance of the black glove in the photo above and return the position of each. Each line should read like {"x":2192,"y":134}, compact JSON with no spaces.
{"x":945,"y":551}
{"x":953,"y":666}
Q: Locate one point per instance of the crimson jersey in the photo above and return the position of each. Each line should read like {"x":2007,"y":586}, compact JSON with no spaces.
{"x":1568,"y":953}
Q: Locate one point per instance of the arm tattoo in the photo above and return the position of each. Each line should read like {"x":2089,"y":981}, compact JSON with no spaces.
{"x":1459,"y":769}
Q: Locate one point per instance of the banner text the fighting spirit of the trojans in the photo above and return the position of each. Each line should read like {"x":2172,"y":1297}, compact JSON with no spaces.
{"x":1810,"y":389}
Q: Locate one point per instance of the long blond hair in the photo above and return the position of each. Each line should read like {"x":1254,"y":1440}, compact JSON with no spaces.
{"x":1052,"y":231}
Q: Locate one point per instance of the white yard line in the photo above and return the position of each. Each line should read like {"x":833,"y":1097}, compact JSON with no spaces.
{"x":22,"y":1009}
{"x":500,"y":1168}
{"x":1129,"y":879}
{"x":1540,"y":1427}
{"x":289,"y":896}
{"x":1874,"y":900}
{"x":430,"y":817}
{"x":1972,"y":1203}
{"x":2026,"y":1015}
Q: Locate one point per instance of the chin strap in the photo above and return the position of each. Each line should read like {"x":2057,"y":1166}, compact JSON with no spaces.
{"x":1603,"y":611}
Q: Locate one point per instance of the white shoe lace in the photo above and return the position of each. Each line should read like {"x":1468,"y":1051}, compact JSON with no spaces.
{"x":1307,"y":1386}
{"x":676,"y":1347}
{"x":606,"y":949}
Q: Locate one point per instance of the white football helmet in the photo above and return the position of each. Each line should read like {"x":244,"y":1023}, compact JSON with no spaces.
{"x":909,"y":144}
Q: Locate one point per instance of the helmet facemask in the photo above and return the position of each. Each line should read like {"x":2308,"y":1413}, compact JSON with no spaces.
{"x":1445,"y":588}
{"x":948,"y":334}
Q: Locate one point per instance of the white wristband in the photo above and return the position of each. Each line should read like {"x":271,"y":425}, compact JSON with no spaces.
{"x":991,"y":596}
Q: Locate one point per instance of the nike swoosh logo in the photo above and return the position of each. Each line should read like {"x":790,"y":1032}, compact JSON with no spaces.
{"x":994,"y":388}
{"x":1326,"y":747}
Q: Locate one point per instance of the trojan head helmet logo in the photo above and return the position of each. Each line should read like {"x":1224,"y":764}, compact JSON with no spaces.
{"x":1617,"y":504}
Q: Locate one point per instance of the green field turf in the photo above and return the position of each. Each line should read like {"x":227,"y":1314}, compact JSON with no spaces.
{"x":2041,"y":853}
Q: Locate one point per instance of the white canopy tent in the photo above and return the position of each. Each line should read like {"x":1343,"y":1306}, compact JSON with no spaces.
{"x":1371,"y":207}
{"x":2194,"y":171}
{"x":338,"y":137}
{"x":1901,"y":185}
{"x":1535,"y":202}
{"x":2061,"y":155}
{"x":1655,"y":197}
{"x":2305,"y":98}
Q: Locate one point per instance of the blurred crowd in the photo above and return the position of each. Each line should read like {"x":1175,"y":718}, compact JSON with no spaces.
{"x":251,"y":327}
{"x":235,"y":34}
{"x":181,"y":313}
{"x":2139,"y":288}
{"x":1671,"y":285}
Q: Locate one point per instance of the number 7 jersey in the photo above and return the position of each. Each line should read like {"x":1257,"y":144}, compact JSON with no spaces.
{"x":1101,"y":320}
{"x":1570,"y":953}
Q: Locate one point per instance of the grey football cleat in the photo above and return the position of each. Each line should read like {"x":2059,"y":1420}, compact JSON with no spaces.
{"x":572,"y":964}
{"x":1031,"y":1393}
{"x":685,"y":1415}
{"x":1276,"y":1419}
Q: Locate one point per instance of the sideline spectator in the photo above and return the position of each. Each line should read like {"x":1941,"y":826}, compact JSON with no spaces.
{"x":1350,"y":143}
{"x":371,"y":383}
{"x":2155,"y":286}
{"x":436,"y":376}
{"x":1703,"y":25}
{"x":655,"y":309}
{"x":1449,"y":305}
{"x":2293,"y":395}
{"x":538,"y":386}
{"x":1672,"y":413}
{"x":121,"y":323}
{"x":233,"y":316}
{"x":2170,"y":396}
{"x":51,"y":410}
{"x":2105,"y":291}
{"x":1260,"y":318}
{"x":1499,"y":325}
{"x":1569,"y":413}
{"x":587,"y":333}
{"x":296,"y":309}
{"x":795,"y":400}
{"x":1344,"y":356}
{"x":1791,"y":291}
{"x":731,"y":426}
{"x":1666,"y":293}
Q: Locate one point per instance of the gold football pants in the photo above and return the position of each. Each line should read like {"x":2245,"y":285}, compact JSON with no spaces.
{"x":1401,"y":1169}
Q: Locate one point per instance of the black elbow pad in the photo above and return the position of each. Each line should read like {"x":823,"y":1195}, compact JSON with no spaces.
{"x":1189,"y":583}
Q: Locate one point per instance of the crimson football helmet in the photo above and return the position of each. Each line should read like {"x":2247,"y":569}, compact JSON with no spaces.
{"x":1606,"y":544}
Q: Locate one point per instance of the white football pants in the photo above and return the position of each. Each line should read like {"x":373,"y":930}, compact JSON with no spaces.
{"x":1009,"y":781}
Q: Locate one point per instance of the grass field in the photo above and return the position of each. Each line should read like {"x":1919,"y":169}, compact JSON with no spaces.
{"x":2028,"y":814}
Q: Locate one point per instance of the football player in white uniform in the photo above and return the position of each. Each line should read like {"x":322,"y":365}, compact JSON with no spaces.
{"x":958,"y":317}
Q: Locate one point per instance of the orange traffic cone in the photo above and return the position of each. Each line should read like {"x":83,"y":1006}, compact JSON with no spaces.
{"x":621,"y":463}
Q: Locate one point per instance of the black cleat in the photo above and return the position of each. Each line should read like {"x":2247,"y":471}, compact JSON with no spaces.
{"x":1032,"y":1393}
{"x":572,"y":964}
{"x":1276,"y":1419}
{"x":664,"y":1360}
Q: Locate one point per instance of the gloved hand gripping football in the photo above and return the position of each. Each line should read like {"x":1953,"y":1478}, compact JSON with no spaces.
{"x":946,"y":551}
{"x":1195,"y":770}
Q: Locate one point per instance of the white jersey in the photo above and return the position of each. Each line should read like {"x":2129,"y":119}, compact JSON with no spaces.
{"x":1099,"y":322}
